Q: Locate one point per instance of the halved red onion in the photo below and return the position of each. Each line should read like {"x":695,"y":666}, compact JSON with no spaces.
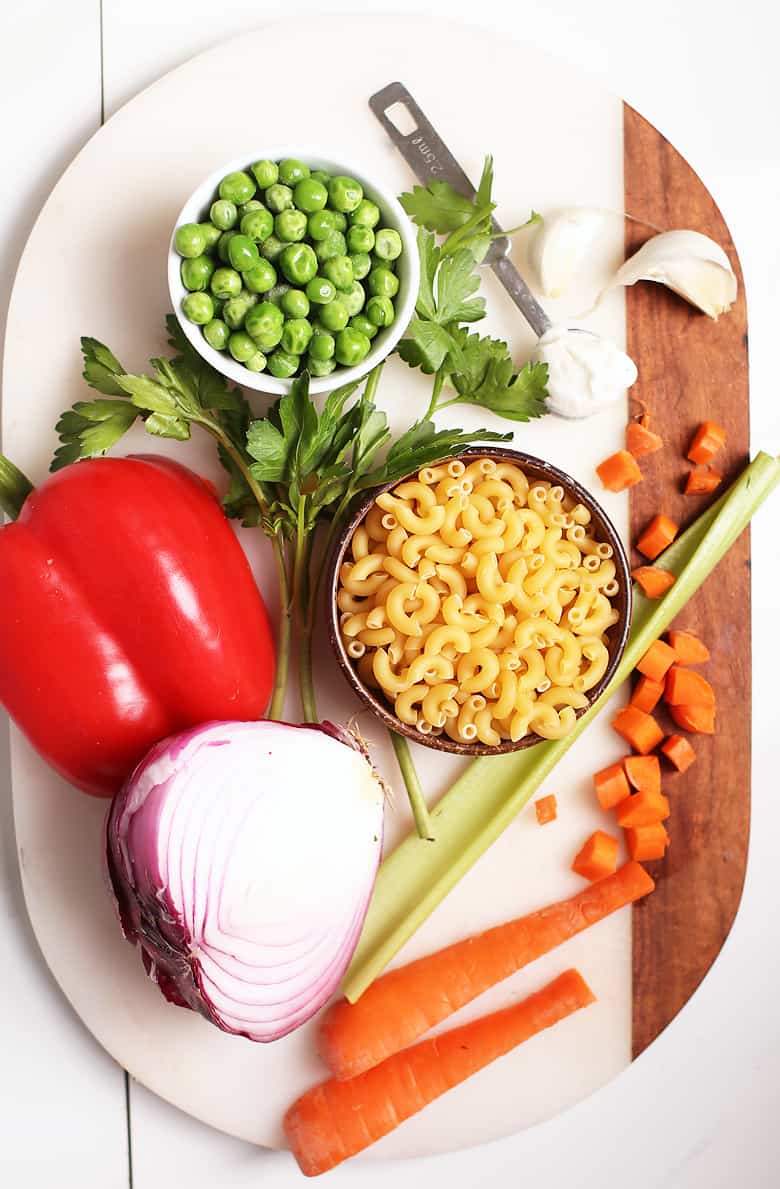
{"x":242,"y":857}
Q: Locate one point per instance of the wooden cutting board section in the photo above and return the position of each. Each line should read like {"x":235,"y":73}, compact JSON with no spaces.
{"x":690,"y":369}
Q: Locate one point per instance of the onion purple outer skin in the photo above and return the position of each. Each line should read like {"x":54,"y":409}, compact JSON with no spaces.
{"x":163,"y":835}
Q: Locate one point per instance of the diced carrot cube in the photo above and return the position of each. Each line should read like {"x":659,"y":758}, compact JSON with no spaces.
{"x":647,"y":842}
{"x":647,"y":694}
{"x":707,"y":441}
{"x":653,"y":580}
{"x":611,"y":786}
{"x":657,"y":660}
{"x":699,"y":719}
{"x":685,"y":687}
{"x":619,"y":471}
{"x":598,"y":857}
{"x":644,"y":773}
{"x":679,"y":752}
{"x":546,"y":809}
{"x":640,"y":440}
{"x":641,"y":809}
{"x":688,"y":648}
{"x":658,"y":535}
{"x":640,"y":730}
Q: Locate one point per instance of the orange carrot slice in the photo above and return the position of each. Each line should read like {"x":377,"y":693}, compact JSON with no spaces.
{"x":653,"y":580}
{"x":644,"y":773}
{"x":639,"y":730}
{"x":679,"y":752}
{"x":647,"y":694}
{"x":619,"y":471}
{"x":338,"y":1119}
{"x":658,"y":659}
{"x":684,"y":687}
{"x":702,"y":482}
{"x":688,"y":648}
{"x":611,"y":786}
{"x":640,"y":440}
{"x":404,"y":1003}
{"x":546,"y":809}
{"x":707,"y":441}
{"x":598,"y":857}
{"x":699,"y":719}
{"x":659,"y":533}
{"x":647,"y":842}
{"x":642,"y":809}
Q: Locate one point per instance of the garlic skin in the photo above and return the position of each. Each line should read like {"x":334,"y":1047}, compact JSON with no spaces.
{"x":585,"y":371}
{"x":690,"y":264}
{"x":560,"y":244}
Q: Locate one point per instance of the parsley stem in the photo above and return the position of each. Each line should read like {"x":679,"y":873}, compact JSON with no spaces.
{"x":276,"y":708}
{"x":403,"y":754}
{"x":14,"y":488}
{"x":438,"y":384}
{"x":455,"y":239}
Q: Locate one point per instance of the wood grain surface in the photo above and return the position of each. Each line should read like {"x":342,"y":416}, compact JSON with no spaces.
{"x":690,"y":368}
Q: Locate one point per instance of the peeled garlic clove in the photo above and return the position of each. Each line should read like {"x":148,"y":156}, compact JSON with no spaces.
{"x":690,"y":264}
{"x":585,"y":372}
{"x":561,"y":243}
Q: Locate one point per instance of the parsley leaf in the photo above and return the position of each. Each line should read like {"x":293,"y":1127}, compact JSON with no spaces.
{"x":422,"y":445}
{"x":486,"y":377}
{"x":91,"y":428}
{"x":100,"y":367}
{"x":455,"y":283}
{"x":437,"y":206}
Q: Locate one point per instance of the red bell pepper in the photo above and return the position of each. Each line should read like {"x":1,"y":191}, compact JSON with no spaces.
{"x":127,"y":612}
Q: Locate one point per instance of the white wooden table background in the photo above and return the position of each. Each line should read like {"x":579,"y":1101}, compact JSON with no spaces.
{"x":699,"y":1109}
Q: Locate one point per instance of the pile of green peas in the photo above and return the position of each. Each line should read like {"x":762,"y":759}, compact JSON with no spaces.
{"x":291,"y":271}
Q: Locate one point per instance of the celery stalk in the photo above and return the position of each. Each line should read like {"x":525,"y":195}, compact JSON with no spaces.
{"x":482,"y":802}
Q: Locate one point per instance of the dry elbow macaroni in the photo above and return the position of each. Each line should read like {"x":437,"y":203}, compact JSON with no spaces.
{"x":478,"y":603}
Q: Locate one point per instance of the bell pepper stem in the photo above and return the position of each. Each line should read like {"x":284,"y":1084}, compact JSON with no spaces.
{"x":14,"y":488}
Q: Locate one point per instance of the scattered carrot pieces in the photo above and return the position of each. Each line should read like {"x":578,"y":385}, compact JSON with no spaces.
{"x":644,"y":773}
{"x":698,"y":719}
{"x":639,"y":730}
{"x":647,"y":694}
{"x":659,"y":534}
{"x":640,"y":440}
{"x":338,"y":1119}
{"x":653,"y":580}
{"x":598,"y":857}
{"x":657,"y":660}
{"x":546,"y":809}
{"x":619,"y":471}
{"x":611,"y":785}
{"x":684,"y":687}
{"x":406,"y":1002}
{"x":679,"y":752}
{"x":642,"y":809}
{"x":647,"y":842}
{"x":688,"y":648}
{"x":707,"y":441}
{"x":702,"y":482}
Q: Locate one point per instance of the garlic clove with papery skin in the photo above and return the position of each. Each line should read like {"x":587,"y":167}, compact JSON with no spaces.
{"x":690,"y":264}
{"x":560,"y":245}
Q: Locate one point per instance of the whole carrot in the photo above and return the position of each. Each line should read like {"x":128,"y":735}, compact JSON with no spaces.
{"x":338,"y":1119}
{"x":405,"y":1003}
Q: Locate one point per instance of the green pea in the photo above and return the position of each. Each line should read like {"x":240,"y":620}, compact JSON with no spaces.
{"x":321,"y":224}
{"x":241,"y":346}
{"x":320,"y":367}
{"x":340,"y":221}
{"x":364,"y":325}
{"x":272,"y":248}
{"x":354,"y":298}
{"x":261,"y":277}
{"x":225,"y":283}
{"x":382,"y":283}
{"x":295,"y":303}
{"x":263,"y":322}
{"x":224,"y":244}
{"x":257,"y":224}
{"x":254,"y":204}
{"x":361,"y":265}
{"x":256,"y":362}
{"x":310,"y":195}
{"x":345,"y":193}
{"x":338,"y":269}
{"x":282,"y":365}
{"x":334,"y":315}
{"x":237,"y":187}
{"x":243,"y":253}
{"x":360,"y":239}
{"x":388,"y":244}
{"x":198,"y":308}
{"x":290,"y":226}
{"x":278,"y":198}
{"x":296,"y":335}
{"x":196,"y":272}
{"x":320,"y":291}
{"x":292,"y":171}
{"x":223,"y":214}
{"x":211,"y":233}
{"x":234,"y":312}
{"x":334,"y":245}
{"x":365,"y":214}
{"x":322,"y":346}
{"x":266,"y":173}
{"x":277,"y":293}
{"x":216,"y":333}
{"x":190,"y":240}
{"x":320,"y":175}
{"x":299,"y":263}
{"x":351,"y":347}
{"x":380,"y":311}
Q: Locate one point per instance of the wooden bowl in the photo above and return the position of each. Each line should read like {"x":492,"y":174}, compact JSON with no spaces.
{"x":603,"y":529}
